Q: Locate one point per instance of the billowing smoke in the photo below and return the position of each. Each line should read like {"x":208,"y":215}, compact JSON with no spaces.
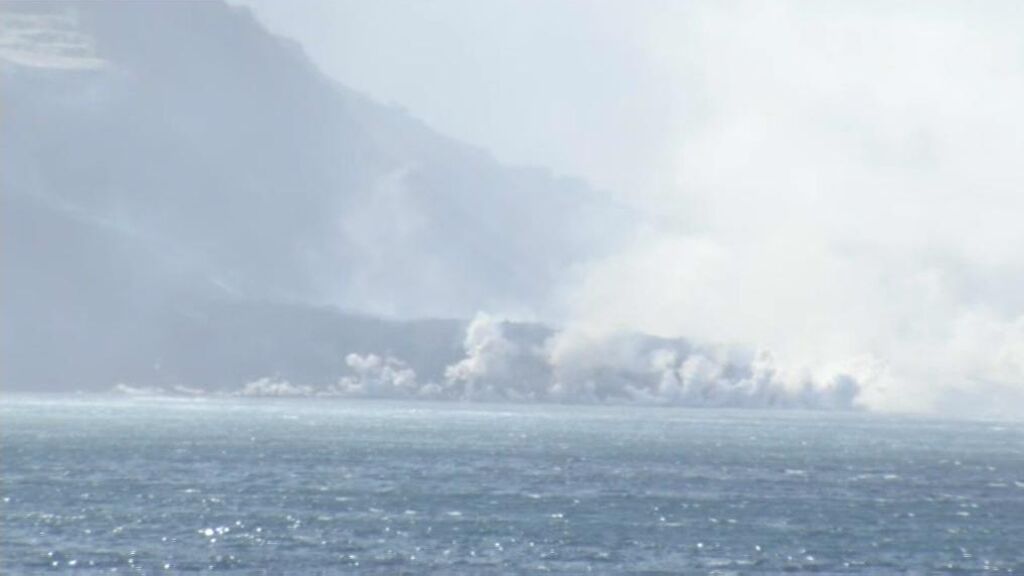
{"x":623,"y":366}
{"x":176,"y":390}
{"x":840,"y":202}
{"x":503,"y":362}
{"x":489,"y":368}
{"x":374,"y":376}
{"x":274,"y":387}
{"x":704,"y":380}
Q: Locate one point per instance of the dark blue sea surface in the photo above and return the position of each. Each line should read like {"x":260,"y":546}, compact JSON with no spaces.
{"x":246,"y":486}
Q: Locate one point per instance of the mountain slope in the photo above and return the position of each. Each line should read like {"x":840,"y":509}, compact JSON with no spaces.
{"x":159,"y":158}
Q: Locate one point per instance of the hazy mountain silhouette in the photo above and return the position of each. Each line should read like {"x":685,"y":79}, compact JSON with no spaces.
{"x":186,"y":199}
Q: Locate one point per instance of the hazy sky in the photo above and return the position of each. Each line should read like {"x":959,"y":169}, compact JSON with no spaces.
{"x":627,"y":94}
{"x":830,"y":180}
{"x":577,"y":87}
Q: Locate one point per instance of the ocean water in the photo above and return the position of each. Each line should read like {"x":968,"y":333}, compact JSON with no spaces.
{"x":146,"y":486}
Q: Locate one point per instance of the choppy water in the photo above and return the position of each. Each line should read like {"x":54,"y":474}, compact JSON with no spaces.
{"x":307,"y":487}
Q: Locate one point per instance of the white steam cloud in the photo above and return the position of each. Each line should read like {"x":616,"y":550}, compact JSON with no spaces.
{"x":274,"y":387}
{"x":578,"y":368}
{"x":624,"y":366}
{"x":488,"y":370}
{"x":843,"y":189}
{"x":378,"y":377}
